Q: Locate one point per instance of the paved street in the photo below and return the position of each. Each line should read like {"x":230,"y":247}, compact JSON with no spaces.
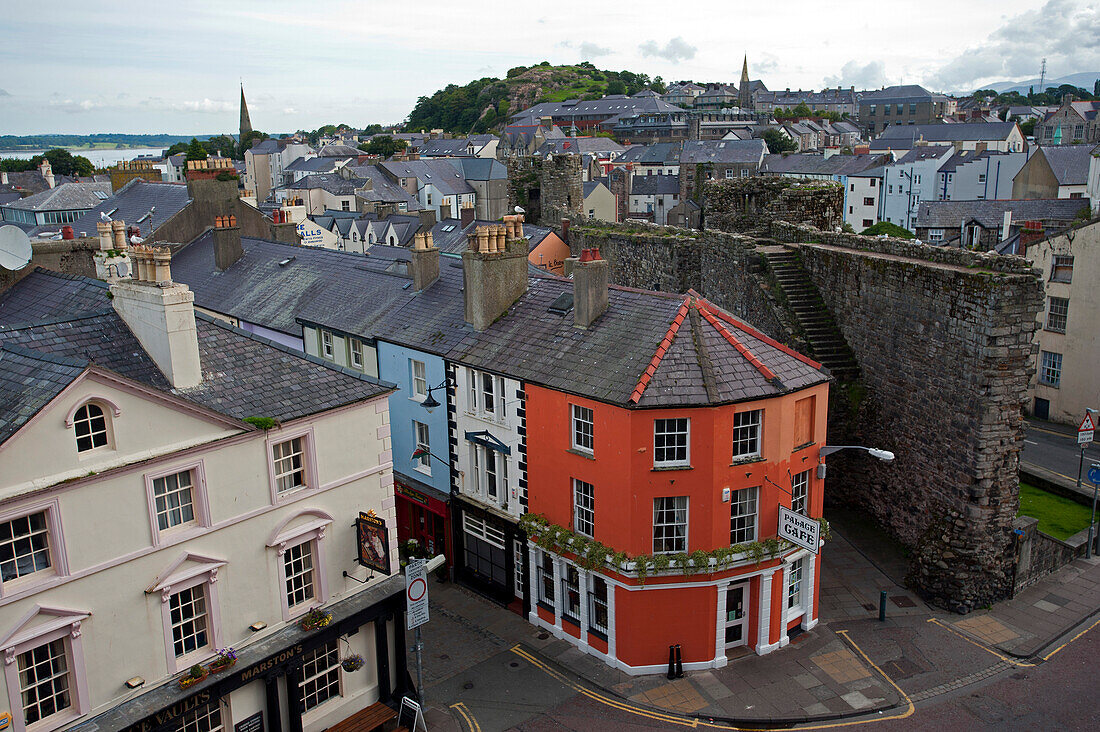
{"x":1054,"y":447}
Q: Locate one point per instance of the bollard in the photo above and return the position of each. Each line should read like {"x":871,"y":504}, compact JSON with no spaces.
{"x":882,"y":605}
{"x":679,"y":663}
{"x":671,"y":662}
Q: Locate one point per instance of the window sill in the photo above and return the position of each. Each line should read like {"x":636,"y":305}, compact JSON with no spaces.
{"x":582,"y":453}
{"x":747,"y":460}
{"x":1048,"y":329}
{"x":575,"y":622}
{"x":1048,"y":385}
{"x":35,"y":581}
{"x":804,"y":445}
{"x":661,"y":468}
{"x":548,"y":608}
{"x":280,"y":497}
{"x":423,"y":471}
{"x":602,"y":635}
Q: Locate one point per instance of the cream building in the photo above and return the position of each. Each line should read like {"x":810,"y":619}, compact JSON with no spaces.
{"x":1067,"y":380}
{"x":146,"y":521}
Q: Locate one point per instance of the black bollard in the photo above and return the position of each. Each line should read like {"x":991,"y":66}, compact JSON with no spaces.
{"x":882,"y":605}
{"x":671,"y":662}
{"x":679,"y":663}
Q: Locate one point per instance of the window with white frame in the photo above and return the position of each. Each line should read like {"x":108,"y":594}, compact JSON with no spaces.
{"x":1062,"y":268}
{"x":174,"y":499}
{"x":90,"y":425}
{"x":419,"y":379}
{"x":320,"y":675}
{"x":794,"y":585}
{"x":729,"y":172}
{"x":743,"y":506}
{"x":299,"y":575}
{"x":207,"y":718}
{"x":583,"y":428}
{"x":517,"y":568}
{"x":571,"y":594}
{"x":670,"y":442}
{"x":45,"y":681}
{"x":189,"y":616}
{"x":289,"y":464}
{"x":1057,"y":314}
{"x":489,"y":473}
{"x":326,"y":344}
{"x":597,"y":604}
{"x":584,"y":508}
{"x":800,"y":493}
{"x":1050,"y":368}
{"x":25,"y":546}
{"x":355,"y":353}
{"x":746,"y":433}
{"x":423,"y":443}
{"x":670,"y":524}
{"x":546,"y":578}
{"x":486,"y":395}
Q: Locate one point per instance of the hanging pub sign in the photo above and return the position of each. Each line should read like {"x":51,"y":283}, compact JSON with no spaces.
{"x":373,"y":540}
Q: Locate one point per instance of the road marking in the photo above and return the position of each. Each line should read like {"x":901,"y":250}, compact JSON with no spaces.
{"x":468,"y":716}
{"x":1030,"y":442}
{"x":1071,"y":640}
{"x":983,"y":646}
{"x":696,"y":723}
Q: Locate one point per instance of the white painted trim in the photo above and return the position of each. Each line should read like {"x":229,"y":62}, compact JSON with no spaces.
{"x":764,"y":621}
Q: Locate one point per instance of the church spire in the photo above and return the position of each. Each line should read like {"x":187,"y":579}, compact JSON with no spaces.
{"x":744,"y":91}
{"x":744,"y":70}
{"x":246,"y":123}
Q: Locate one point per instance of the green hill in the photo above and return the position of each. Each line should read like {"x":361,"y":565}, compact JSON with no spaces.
{"x":485,"y":105}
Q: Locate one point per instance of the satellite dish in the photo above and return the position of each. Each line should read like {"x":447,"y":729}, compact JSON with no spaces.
{"x":15,"y":248}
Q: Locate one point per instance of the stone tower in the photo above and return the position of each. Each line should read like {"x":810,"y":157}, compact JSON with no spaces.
{"x":246,"y":123}
{"x":744,"y":93}
{"x":561,"y":190}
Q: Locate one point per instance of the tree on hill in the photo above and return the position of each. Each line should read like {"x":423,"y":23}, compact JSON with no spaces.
{"x":778,"y":142}
{"x":616,"y":87}
{"x":179,"y":147}
{"x":885,"y":227}
{"x":62,"y":162}
{"x":383,"y":145}
{"x":247,"y":141}
{"x":195,"y":151}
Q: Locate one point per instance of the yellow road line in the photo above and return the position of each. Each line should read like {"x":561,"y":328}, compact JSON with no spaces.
{"x":468,"y":716}
{"x":1086,"y":630}
{"x":695,"y":722}
{"x":984,"y":647}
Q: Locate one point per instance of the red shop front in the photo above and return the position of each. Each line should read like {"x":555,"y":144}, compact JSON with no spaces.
{"x":423,"y":513}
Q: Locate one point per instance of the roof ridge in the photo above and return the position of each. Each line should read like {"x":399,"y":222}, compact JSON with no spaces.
{"x":54,"y":321}
{"x":44,"y":356}
{"x":721,"y":314}
{"x":703,"y":357}
{"x":662,"y":349}
{"x":741,"y":347}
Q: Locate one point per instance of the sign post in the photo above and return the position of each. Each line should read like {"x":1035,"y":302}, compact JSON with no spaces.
{"x":416,"y":610}
{"x":1085,"y":433}
{"x":798,"y":529}
{"x":1094,"y":478}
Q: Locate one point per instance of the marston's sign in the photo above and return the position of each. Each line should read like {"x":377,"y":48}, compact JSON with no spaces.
{"x":799,"y":529}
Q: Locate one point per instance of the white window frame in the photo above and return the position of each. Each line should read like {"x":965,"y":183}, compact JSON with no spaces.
{"x":328,"y":350}
{"x":422,"y":438}
{"x":59,"y":564}
{"x":748,"y":434}
{"x":59,"y":624}
{"x":356,"y":355}
{"x":418,"y":379}
{"x":481,"y":473}
{"x":800,"y":492}
{"x":312,"y":531}
{"x":1062,"y":314}
{"x":331,"y":647}
{"x":795,"y":603}
{"x":584,"y":508}
{"x":309,"y":466}
{"x":686,"y":461}
{"x":200,"y":654}
{"x":547,"y":586}
{"x":1050,"y":373}
{"x":594,"y":602}
{"x":579,"y":417}
{"x":199,"y":501}
{"x":744,"y":515}
{"x":486,"y":404}
{"x":675,"y":508}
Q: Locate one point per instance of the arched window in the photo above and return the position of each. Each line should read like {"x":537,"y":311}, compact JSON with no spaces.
{"x":90,"y":424}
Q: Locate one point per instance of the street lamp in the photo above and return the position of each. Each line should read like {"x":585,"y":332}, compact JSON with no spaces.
{"x":430,"y":402}
{"x":884,"y":455}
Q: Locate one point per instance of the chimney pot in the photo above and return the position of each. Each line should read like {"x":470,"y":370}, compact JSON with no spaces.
{"x":118,"y":231}
{"x":227,"y":243}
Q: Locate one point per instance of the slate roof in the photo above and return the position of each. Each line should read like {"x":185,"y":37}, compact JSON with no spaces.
{"x":723,"y":151}
{"x":481,"y":168}
{"x":810,"y":164}
{"x":443,"y":174}
{"x":28,"y":382}
{"x":655,"y":185}
{"x":265,"y":147}
{"x":334,"y":183}
{"x":339,"y":151}
{"x":450,"y":237}
{"x":65,"y":197}
{"x":904,"y":93}
{"x":926,"y":152}
{"x":444,"y":148}
{"x":30,"y":180}
{"x":139,"y":203}
{"x":990,"y":213}
{"x":313,"y":165}
{"x":611,"y":105}
{"x":661,"y":153}
{"x":589,"y":145}
{"x":45,"y":294}
{"x":1070,"y":163}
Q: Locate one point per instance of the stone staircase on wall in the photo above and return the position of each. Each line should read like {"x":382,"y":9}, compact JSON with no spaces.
{"x":803,"y":300}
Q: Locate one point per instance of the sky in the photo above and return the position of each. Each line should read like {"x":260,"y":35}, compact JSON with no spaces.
{"x":175,"y":67}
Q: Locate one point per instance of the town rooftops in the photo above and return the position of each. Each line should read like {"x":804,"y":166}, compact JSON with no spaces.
{"x":45,"y":294}
{"x":660,"y":153}
{"x":655,"y":185}
{"x":905,"y":93}
{"x":612,"y":105}
{"x":314,"y":165}
{"x":810,"y":164}
{"x":65,"y":197}
{"x":265,"y":147}
{"x":723,"y":151}
{"x":1088,"y":110}
{"x":1069,"y":163}
{"x":582,"y":145}
{"x":339,"y":151}
{"x":333,"y":183}
{"x":990,"y":213}
{"x":139,"y":203}
{"x":442,"y":148}
{"x":926,"y":152}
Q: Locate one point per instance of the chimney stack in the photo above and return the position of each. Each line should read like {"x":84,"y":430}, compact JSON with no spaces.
{"x":103,"y":228}
{"x":494,"y":271}
{"x":425,"y":261}
{"x":444,"y":211}
{"x":118,"y":232}
{"x":466,"y":214}
{"x":227,"y":242}
{"x":590,"y":279}
{"x":161,"y":315}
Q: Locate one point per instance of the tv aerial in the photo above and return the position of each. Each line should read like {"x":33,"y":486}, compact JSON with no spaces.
{"x":15,"y":248}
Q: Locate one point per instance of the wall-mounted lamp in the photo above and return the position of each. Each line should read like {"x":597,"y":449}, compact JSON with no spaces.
{"x":257,"y":626}
{"x":135,"y":683}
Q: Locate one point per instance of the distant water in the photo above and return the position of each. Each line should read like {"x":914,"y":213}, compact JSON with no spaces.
{"x":101,"y":158}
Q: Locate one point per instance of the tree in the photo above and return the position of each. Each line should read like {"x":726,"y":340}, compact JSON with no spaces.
{"x":383,"y":145}
{"x":221,"y":144}
{"x":1096,"y":88}
{"x":179,"y":147}
{"x":778,"y":142}
{"x":62,"y":162}
{"x":616,"y":87}
{"x":885,"y":227}
{"x":195,"y":151}
{"x":246,"y":142}
{"x":658,"y":85}
{"x":801,"y":111}
{"x":1027,"y":127}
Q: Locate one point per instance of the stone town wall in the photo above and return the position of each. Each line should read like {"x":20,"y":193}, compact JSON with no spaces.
{"x":753,"y":203}
{"x":561,"y":189}
{"x":1038,"y":554}
{"x":944,"y":341}
{"x":523,"y":185}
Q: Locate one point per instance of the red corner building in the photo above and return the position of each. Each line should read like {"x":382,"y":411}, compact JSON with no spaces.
{"x":687,"y":463}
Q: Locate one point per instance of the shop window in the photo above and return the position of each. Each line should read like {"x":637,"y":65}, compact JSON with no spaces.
{"x":597,"y":604}
{"x":571,"y":594}
{"x":207,"y":718}
{"x":794,"y":585}
{"x":546,"y":579}
{"x":320,"y":676}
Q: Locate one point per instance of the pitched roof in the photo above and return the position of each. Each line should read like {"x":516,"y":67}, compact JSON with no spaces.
{"x":904,"y":93}
{"x":1070,"y":163}
{"x":65,"y":197}
{"x":590,"y":145}
{"x":314,"y":165}
{"x":45,"y":294}
{"x":139,"y":203}
{"x":990,"y":213}
{"x":925,"y":152}
{"x":655,"y":185}
{"x":723,"y":151}
{"x":339,"y":151}
{"x":440,"y":148}
{"x":29,"y":381}
{"x":333,"y":183}
{"x":661,"y":153}
{"x":811,"y":164}
{"x":480,"y":168}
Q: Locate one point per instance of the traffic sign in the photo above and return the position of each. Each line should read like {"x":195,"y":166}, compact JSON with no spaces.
{"x":1094,"y":474}
{"x":1086,"y":430}
{"x":416,"y":593}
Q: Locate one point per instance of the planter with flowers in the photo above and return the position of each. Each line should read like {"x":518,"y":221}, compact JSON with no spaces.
{"x":315,"y":619}
{"x":195,"y":675}
{"x":226,"y":658}
{"x":353,"y":662}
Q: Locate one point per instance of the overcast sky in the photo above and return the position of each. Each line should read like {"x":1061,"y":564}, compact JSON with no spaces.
{"x":136,"y":66}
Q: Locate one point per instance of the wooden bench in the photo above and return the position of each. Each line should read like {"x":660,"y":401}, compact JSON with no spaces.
{"x":366,"y":720}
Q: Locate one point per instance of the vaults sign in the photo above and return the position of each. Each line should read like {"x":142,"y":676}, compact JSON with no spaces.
{"x":798,"y":529}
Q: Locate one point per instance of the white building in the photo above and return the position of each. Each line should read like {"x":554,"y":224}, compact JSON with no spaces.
{"x":909,"y":181}
{"x":149,"y":523}
{"x":863,"y":196}
{"x":985,"y":176}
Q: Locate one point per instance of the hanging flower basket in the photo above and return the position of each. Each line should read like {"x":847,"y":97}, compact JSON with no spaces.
{"x":196,"y":675}
{"x":314,"y":619}
{"x":353,"y":662}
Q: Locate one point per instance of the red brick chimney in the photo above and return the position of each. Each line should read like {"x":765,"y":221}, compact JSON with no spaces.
{"x":466,"y":214}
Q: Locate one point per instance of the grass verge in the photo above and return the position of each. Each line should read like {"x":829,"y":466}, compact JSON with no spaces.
{"x":1058,"y":517}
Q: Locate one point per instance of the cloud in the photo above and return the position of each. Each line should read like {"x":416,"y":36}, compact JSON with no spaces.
{"x":202,"y":105}
{"x":871,"y":75}
{"x":4,"y":93}
{"x":588,"y":50}
{"x":74,"y":107}
{"x":675,"y":50}
{"x":1065,"y":32}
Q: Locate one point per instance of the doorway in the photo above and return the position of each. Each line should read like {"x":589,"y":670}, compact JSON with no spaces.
{"x":736,"y":622}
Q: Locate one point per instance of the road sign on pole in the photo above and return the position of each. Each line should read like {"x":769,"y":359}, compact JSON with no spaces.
{"x":1086,"y":430}
{"x":416,"y":593}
